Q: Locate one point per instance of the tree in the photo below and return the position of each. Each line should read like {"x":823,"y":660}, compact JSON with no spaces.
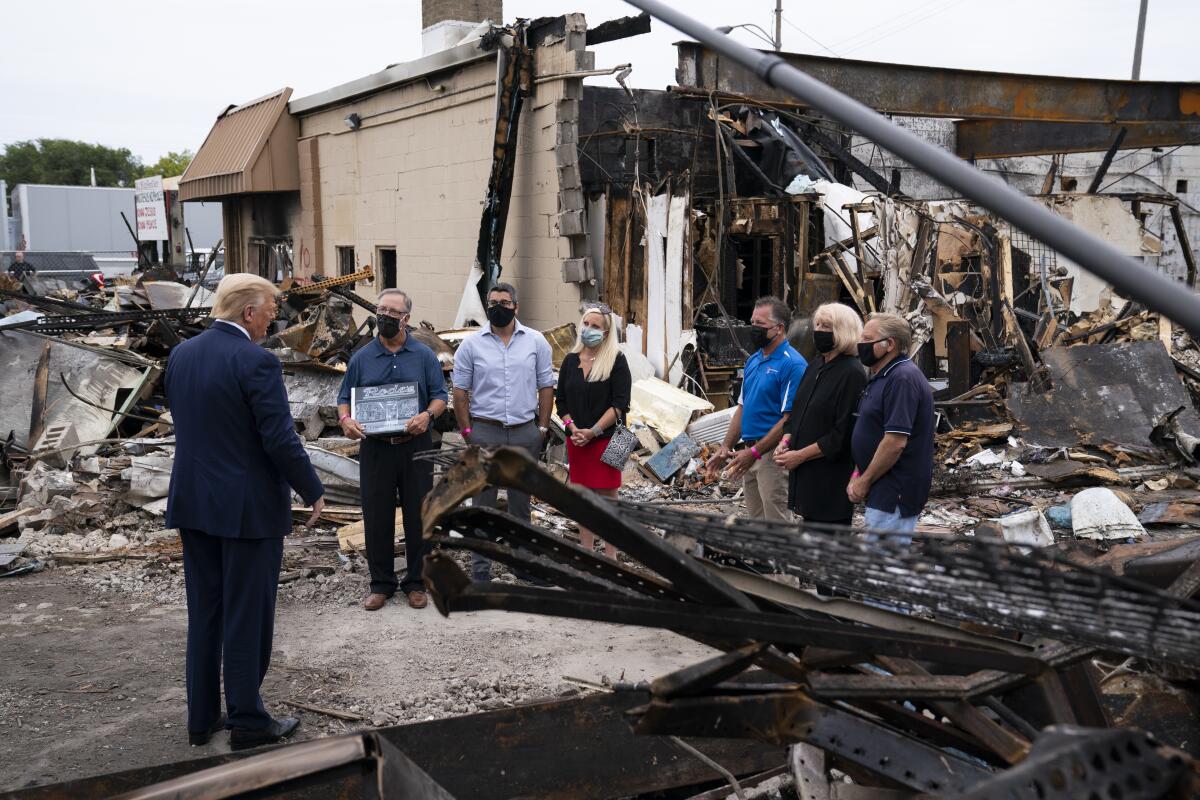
{"x":68,"y":163}
{"x":171,"y":165}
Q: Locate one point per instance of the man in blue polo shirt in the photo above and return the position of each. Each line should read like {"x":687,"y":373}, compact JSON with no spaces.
{"x":769,"y":380}
{"x":893,"y":435}
{"x":386,"y":464}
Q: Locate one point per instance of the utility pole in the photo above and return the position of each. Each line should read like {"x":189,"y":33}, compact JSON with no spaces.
{"x":779,"y":25}
{"x":1137,"y":45}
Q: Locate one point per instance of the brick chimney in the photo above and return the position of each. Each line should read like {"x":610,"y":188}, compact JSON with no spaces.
{"x":445,"y":22}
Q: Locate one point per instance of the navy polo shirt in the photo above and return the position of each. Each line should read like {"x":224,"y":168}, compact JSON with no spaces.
{"x":375,"y":365}
{"x":897,"y":400}
{"x":769,"y":386}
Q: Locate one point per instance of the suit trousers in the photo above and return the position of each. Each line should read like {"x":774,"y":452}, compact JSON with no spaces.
{"x":230,"y":586}
{"x":528,"y":438}
{"x":388,"y":472}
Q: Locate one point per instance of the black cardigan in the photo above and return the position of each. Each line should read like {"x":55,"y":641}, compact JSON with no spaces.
{"x":584,"y":402}
{"x":823,"y":413}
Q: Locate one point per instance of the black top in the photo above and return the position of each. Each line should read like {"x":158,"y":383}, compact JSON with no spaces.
{"x":585,"y":403}
{"x":823,"y":413}
{"x":897,"y":400}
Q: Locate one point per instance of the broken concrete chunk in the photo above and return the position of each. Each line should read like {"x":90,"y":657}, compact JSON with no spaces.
{"x":1098,"y":513}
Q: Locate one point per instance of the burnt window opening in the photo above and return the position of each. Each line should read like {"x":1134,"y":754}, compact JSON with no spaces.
{"x":387,"y":268}
{"x":1181,"y":187}
{"x":269,"y":257}
{"x":345,"y":260}
{"x":755,"y":268}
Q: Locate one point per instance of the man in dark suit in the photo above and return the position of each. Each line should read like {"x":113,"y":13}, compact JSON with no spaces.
{"x":236,"y":455}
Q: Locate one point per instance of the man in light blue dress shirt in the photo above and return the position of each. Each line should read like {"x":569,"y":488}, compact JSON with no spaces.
{"x":503,"y":393}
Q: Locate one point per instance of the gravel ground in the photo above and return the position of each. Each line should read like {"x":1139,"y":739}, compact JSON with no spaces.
{"x":92,"y":662}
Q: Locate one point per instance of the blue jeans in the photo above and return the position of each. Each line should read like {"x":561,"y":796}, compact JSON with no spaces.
{"x":889,"y":521}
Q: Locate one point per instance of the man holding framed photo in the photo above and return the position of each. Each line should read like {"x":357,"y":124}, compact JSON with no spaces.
{"x":392,"y":392}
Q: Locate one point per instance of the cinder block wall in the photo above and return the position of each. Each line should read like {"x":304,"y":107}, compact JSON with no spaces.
{"x":435,"y":11}
{"x":413,"y":178}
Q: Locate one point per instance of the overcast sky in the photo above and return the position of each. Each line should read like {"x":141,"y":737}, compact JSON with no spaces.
{"x":153,"y":75}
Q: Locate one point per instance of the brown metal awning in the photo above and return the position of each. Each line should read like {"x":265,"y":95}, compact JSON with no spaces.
{"x":251,"y":148}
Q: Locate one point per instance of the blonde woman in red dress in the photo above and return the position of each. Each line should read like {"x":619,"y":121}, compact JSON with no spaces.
{"x":592,"y":397}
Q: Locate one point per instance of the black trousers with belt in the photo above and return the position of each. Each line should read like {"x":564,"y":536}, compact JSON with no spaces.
{"x":387,"y":474}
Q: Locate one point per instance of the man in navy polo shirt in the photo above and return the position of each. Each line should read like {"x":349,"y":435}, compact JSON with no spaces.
{"x":893,"y":436}
{"x":387,"y":466}
{"x":769,"y":381}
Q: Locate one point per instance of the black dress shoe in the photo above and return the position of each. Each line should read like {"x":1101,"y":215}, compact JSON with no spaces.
{"x":201,"y":739}
{"x":244,"y":738}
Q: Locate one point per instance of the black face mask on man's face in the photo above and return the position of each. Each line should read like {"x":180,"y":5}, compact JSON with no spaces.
{"x":500,"y":316}
{"x":760,"y":337}
{"x":388,"y":326}
{"x":866,"y":353}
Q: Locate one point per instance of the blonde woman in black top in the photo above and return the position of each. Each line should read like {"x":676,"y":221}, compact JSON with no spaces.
{"x":815,"y":448}
{"x":592,"y":397}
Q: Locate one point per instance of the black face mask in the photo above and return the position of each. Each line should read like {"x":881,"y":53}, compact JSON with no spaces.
{"x":500,"y":316}
{"x":866,"y":353}
{"x":760,"y":337}
{"x":823,"y":341}
{"x":387,"y":326}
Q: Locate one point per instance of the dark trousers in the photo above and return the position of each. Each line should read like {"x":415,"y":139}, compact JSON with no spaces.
{"x":388,"y":472}
{"x":527,"y":437}
{"x":231,"y":587}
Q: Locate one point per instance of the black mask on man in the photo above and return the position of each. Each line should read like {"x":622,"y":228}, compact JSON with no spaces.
{"x":500,"y":316}
{"x":866,"y":353}
{"x":823,"y":341}
{"x":760,"y":337}
{"x":388,"y":326}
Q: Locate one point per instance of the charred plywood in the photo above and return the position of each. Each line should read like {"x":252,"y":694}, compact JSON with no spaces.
{"x":659,"y":132}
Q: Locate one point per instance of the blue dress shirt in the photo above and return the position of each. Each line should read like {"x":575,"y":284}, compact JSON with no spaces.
{"x":375,"y":365}
{"x":503,"y":381}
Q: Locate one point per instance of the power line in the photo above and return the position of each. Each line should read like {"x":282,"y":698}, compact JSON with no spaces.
{"x":887,"y":22}
{"x":902,"y":28}
{"x":808,"y":36}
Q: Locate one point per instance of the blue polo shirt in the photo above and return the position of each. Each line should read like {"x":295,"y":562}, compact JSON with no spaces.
{"x":897,"y":400}
{"x":768,"y":388}
{"x":375,"y":365}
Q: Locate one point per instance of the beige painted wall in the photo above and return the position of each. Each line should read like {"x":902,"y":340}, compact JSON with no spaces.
{"x":413,"y":177}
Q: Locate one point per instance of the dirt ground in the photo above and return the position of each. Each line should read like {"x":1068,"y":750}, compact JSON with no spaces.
{"x":91,"y":666}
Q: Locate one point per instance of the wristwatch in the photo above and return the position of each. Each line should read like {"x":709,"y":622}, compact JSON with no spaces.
{"x":543,"y":430}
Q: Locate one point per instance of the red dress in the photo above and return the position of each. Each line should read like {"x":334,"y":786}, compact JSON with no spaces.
{"x":586,"y":469}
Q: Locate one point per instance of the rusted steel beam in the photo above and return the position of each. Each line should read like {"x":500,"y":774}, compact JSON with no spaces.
{"x":790,"y":717}
{"x":514,"y":469}
{"x":452,"y":592}
{"x":909,"y":90}
{"x":1002,"y":138}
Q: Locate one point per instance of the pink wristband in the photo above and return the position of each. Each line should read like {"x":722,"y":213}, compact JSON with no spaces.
{"x":754,"y":449}
{"x":466,"y":431}
{"x":566,"y":421}
{"x":343,"y":418}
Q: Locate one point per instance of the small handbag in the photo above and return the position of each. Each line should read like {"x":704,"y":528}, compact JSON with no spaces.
{"x":620,"y":447}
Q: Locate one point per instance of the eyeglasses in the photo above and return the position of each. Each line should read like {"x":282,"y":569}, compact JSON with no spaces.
{"x":505,"y":303}
{"x":387,"y":312}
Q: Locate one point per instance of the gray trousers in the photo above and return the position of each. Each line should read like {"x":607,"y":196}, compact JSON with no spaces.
{"x":526,"y":437}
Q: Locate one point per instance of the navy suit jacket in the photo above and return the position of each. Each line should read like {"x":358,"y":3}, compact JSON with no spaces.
{"x":236,"y":448}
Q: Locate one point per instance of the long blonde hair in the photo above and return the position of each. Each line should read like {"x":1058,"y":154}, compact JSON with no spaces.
{"x":606,"y":353}
{"x":847,"y":327}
